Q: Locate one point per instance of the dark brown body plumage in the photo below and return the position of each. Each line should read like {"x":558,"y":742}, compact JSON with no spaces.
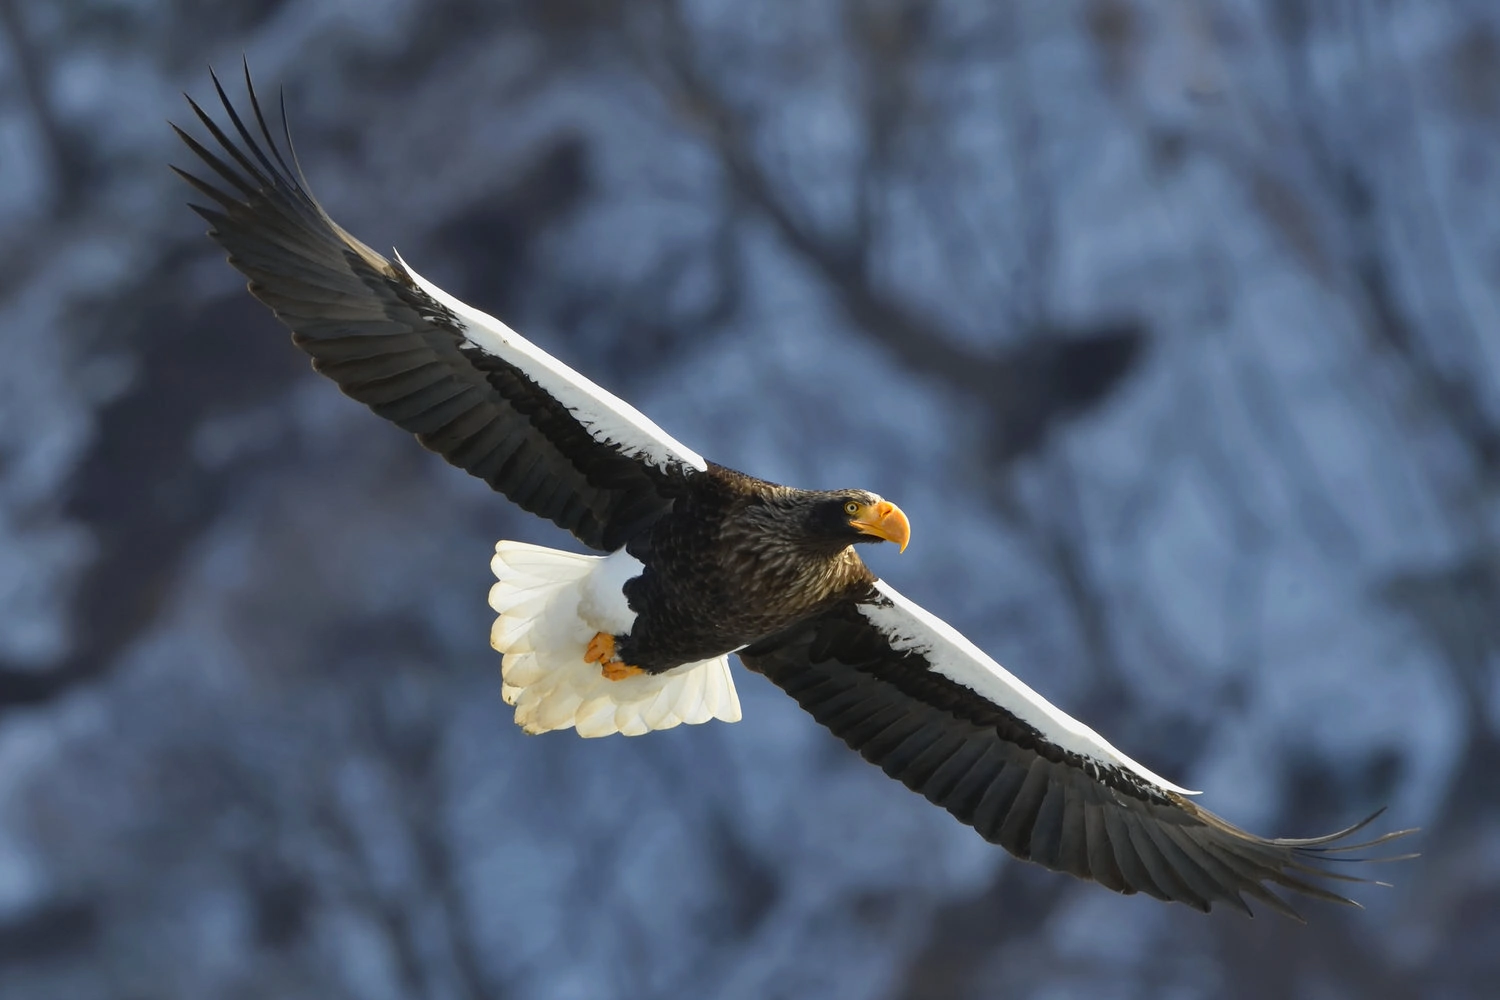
{"x":735,"y":560}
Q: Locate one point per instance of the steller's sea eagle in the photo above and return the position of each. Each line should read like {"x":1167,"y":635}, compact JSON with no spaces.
{"x":701,"y":561}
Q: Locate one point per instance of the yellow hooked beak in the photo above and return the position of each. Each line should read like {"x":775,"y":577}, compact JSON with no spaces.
{"x":883,"y":520}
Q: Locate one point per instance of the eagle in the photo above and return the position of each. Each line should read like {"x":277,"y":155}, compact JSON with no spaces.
{"x":696,"y":562}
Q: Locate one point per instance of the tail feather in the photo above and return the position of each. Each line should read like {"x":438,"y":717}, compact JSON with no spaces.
{"x":544,"y":603}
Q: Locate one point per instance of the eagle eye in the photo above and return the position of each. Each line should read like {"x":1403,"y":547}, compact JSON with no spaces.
{"x":851,"y":508}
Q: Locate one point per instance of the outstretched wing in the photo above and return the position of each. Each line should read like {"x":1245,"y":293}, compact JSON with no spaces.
{"x":914,"y":696}
{"x":470,"y":388}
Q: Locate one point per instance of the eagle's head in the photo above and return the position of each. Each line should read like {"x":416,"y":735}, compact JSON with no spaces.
{"x":853,"y":516}
{"x":802,"y":528}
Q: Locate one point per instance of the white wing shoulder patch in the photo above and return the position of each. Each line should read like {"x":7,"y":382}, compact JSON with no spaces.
{"x":607,"y":418}
{"x":909,"y":627}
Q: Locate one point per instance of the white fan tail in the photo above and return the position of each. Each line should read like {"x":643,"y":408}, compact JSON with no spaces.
{"x":550,"y":604}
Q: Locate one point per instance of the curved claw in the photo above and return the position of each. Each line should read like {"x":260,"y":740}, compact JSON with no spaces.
{"x":601,"y":650}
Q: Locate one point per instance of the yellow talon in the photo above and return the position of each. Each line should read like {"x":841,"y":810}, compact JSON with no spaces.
{"x":614,"y":670}
{"x":602,"y":651}
{"x":601,"y":648}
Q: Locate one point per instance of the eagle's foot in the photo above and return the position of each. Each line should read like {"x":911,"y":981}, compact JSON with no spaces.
{"x":614,"y":670}
{"x":602,"y":651}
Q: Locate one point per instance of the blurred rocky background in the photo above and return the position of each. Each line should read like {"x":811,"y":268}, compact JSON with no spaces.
{"x":1173,"y":325}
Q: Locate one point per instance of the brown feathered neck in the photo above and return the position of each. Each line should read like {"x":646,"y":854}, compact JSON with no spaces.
{"x":796,"y":544}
